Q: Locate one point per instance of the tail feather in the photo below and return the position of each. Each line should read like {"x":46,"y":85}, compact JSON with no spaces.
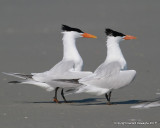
{"x":27,"y":79}
{"x":73,"y":90}
{"x":15,"y":82}
{"x":32,"y":82}
{"x":19,"y":75}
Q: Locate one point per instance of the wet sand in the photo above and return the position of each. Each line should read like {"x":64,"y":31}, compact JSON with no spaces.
{"x":31,"y":41}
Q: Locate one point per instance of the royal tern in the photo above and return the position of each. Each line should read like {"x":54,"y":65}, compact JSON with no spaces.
{"x":66,"y":72}
{"x":112,"y":73}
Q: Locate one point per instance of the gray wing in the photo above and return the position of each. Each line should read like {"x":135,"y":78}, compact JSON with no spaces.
{"x":107,"y":69}
{"x":62,"y":66}
{"x":56,"y":72}
{"x":104,"y":70}
{"x":19,"y":75}
{"x":66,"y":70}
{"x":63,"y":70}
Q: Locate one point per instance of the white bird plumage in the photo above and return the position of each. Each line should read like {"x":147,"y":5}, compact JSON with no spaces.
{"x":69,"y":69}
{"x":113,"y":73}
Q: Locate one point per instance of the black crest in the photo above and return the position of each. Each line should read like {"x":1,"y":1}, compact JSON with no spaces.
{"x":110,"y":32}
{"x":67,"y":28}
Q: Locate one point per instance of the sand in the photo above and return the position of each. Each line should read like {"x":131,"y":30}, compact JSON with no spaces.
{"x":31,"y":41}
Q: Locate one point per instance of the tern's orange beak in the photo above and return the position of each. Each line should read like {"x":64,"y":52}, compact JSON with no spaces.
{"x":128,"y":37}
{"x":86,"y":35}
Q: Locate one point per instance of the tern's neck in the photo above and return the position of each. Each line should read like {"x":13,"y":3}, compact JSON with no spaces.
{"x":69,"y":47}
{"x":114,"y":52}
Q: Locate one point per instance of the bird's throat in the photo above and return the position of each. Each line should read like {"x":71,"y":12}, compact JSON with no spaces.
{"x":114,"y":52}
{"x":70,"y":51}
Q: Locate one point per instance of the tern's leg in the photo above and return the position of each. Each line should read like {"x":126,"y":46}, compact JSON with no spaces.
{"x":108,"y":97}
{"x":62,"y":94}
{"x":55,"y":97}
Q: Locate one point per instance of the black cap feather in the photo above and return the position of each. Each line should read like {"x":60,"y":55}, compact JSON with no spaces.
{"x":67,"y":28}
{"x":110,"y":32}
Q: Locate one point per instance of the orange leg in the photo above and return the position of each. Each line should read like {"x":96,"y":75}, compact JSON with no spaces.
{"x":55,"y":97}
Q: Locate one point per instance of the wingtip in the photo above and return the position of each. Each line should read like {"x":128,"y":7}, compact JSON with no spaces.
{"x":4,"y":73}
{"x":14,"y":82}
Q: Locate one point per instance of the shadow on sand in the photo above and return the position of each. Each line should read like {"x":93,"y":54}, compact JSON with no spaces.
{"x":89,"y":100}
{"x":94,"y":101}
{"x":129,"y":102}
{"x":98,"y":101}
{"x":114,"y":103}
